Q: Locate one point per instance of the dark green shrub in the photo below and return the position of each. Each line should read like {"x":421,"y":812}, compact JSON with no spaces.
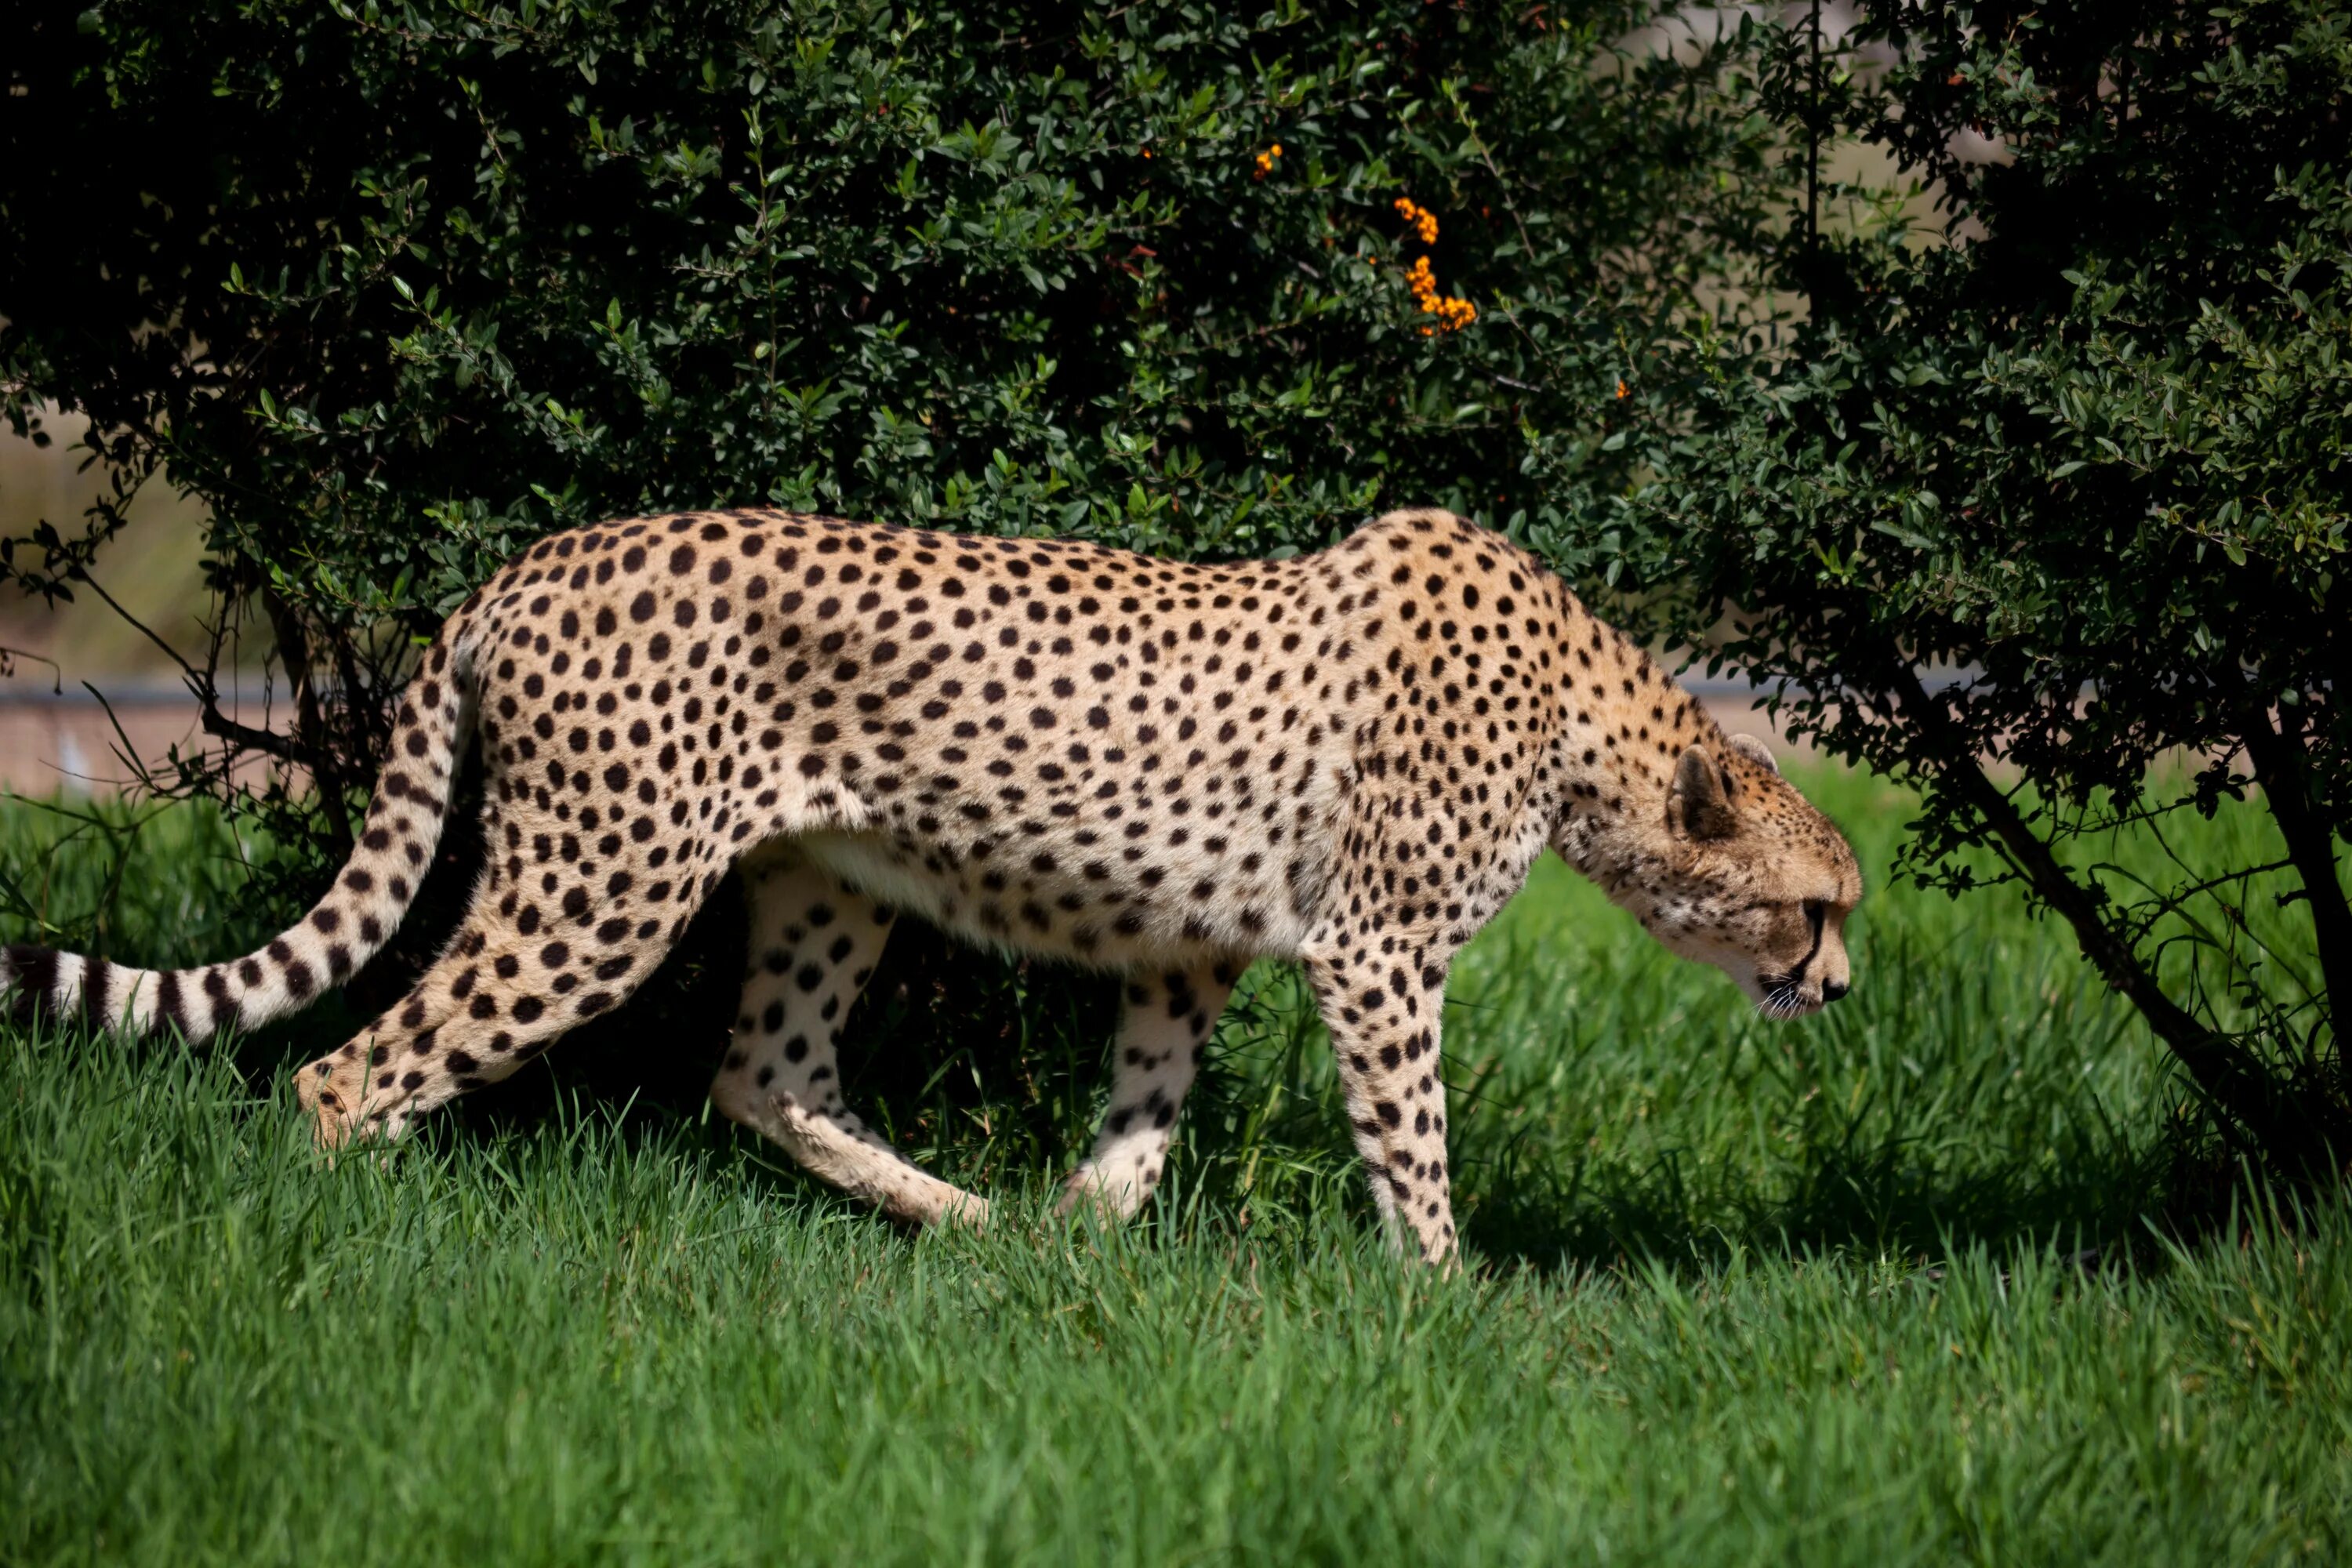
{"x":2093,"y":459}
{"x":398,"y":288}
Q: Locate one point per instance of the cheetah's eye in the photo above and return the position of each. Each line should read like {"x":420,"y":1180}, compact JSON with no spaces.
{"x":1814,"y":912}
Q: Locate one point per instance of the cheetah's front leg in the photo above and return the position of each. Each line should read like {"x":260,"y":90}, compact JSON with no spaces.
{"x":1382,"y":1015}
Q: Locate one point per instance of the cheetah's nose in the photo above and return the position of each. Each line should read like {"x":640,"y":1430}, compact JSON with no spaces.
{"x":1832,"y":991}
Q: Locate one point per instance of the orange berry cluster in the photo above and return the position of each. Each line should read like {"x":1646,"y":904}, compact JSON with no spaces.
{"x":1265,"y":160}
{"x":1424,"y":221}
{"x":1452,"y":314}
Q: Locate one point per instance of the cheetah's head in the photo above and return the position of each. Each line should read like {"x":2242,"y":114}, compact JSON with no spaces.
{"x":1749,"y":878}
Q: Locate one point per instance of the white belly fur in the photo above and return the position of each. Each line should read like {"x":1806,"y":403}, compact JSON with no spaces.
{"x":872,"y":865}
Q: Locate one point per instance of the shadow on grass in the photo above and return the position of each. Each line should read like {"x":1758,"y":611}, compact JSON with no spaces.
{"x":998,"y":1090}
{"x":1874,"y":1202}
{"x":993,"y":1072}
{"x":997,"y":1117}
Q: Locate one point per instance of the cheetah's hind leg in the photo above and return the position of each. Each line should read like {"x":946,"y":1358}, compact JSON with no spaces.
{"x":506,"y":989}
{"x":813,"y":943}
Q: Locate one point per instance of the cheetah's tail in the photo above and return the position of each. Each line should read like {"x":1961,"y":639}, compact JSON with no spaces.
{"x":342,"y":931}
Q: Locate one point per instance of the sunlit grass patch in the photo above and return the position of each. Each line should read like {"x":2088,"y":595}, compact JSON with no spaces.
{"x":1875,"y":1287}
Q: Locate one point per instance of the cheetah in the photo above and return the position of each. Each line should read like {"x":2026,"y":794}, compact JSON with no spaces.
{"x":1347,"y":760}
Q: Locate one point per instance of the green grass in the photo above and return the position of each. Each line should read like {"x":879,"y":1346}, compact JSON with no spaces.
{"x":1875,"y":1288}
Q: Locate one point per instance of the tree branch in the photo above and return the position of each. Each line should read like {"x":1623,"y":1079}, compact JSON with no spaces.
{"x":2279,"y":766}
{"x":294,"y":650}
{"x":2227,"y":1076}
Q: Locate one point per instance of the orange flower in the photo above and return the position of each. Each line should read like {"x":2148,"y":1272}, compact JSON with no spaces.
{"x":1621,"y":387}
{"x":1266,"y":160}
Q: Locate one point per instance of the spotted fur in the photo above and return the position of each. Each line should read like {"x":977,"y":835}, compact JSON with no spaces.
{"x":1348,"y":760}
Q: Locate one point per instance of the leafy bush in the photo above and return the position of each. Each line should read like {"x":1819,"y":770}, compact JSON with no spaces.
{"x":2089,"y":457}
{"x":398,"y":288}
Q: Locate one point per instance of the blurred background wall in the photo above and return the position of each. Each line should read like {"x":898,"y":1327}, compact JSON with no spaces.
{"x":59,"y":735}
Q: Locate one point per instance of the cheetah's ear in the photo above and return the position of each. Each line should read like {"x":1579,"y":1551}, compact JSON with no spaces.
{"x":1755,"y":751}
{"x":1697,"y":807}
